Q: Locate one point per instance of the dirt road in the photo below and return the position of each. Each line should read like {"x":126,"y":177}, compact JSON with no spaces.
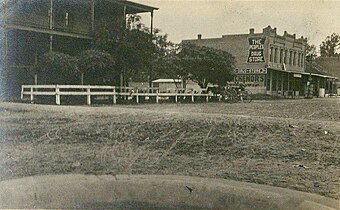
{"x":287,"y":143}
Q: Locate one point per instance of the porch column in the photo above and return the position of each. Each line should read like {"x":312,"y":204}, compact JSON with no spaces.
{"x":92,"y":16}
{"x":288,"y":87}
{"x":277,"y":82}
{"x":282,"y":81}
{"x":271,"y":82}
{"x":151,"y":35}
{"x":51,"y":24}
{"x":122,"y":73}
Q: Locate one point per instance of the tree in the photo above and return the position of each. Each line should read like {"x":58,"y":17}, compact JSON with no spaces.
{"x":311,"y":52}
{"x":201,"y":64}
{"x":97,"y":67}
{"x":331,"y":44}
{"x":57,"y":68}
{"x":134,"y":49}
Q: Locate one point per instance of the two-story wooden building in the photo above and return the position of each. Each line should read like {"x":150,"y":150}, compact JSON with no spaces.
{"x":268,"y":63}
{"x":30,"y":28}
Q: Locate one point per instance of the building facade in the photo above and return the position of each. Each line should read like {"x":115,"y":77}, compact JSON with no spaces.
{"x":31,"y":28}
{"x":268,"y":63}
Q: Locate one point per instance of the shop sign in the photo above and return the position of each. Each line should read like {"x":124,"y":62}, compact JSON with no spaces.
{"x":250,"y":78}
{"x":280,"y":66}
{"x":297,"y":75}
{"x":256,"y":48}
{"x":251,"y":71}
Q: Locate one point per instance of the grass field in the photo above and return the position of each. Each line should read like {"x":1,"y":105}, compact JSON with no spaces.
{"x":287,"y":143}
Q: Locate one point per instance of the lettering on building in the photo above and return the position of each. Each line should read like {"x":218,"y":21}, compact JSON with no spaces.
{"x":256,"y":47}
{"x":251,"y":71}
{"x":250,"y":78}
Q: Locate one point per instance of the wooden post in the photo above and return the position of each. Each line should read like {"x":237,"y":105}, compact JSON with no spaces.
{"x":57,"y":96}
{"x":92,"y":17}
{"x":114,"y":96}
{"x":192,"y":97}
{"x":157,"y":98}
{"x":137,"y":98}
{"x":35,"y":79}
{"x":271,"y":82}
{"x":32,"y":96}
{"x":22,"y":93}
{"x":176,"y":98}
{"x":82,"y":78}
{"x":277,"y":82}
{"x":51,"y":24}
{"x":88,"y":96}
{"x":51,"y":43}
{"x":207,"y":99}
{"x":51,"y":15}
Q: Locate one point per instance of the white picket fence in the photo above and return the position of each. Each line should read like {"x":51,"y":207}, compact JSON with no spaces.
{"x":96,"y":90}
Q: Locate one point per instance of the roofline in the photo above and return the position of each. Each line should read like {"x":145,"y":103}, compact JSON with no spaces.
{"x":143,"y":7}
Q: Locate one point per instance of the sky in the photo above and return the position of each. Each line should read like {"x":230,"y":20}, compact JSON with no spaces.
{"x":184,"y":19}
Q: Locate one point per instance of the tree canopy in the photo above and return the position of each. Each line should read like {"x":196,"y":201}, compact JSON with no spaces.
{"x":57,"y":68}
{"x":96,"y":66}
{"x":201,"y":64}
{"x":311,"y":52}
{"x":330,"y":45}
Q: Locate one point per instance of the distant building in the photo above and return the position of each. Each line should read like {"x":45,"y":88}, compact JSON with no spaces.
{"x":170,"y":85}
{"x":328,"y":66}
{"x":33,"y":28}
{"x":268,"y":63}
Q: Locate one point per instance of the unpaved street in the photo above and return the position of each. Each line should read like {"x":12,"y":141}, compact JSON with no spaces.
{"x":287,"y":143}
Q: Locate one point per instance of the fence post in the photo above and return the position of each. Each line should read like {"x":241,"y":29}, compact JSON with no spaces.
{"x":114,"y":96}
{"x":192,"y":97}
{"x":207,"y":98}
{"x":57,"y":96}
{"x":32,"y":96}
{"x":176,"y":98}
{"x":157,"y":98}
{"x":88,"y":96}
{"x":22,"y":93}
{"x":137,"y":98}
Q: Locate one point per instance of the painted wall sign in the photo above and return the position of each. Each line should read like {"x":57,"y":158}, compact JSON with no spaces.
{"x":256,"y":48}
{"x":251,"y":71}
{"x":250,"y":78}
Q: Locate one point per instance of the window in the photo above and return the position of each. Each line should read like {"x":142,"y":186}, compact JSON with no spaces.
{"x":286,"y":57}
{"x":281,"y":56}
{"x":275,"y":55}
{"x":302,"y":60}
{"x":294,"y":59}
{"x":299,"y":55}
{"x":290,"y":57}
{"x":271,"y":54}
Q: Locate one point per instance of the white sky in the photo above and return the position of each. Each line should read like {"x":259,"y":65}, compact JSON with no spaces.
{"x":184,"y":19}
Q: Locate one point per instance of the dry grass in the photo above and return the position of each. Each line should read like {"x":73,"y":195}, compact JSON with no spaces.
{"x":280,"y":143}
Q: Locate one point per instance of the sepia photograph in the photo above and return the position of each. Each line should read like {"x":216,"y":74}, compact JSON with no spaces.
{"x":170,"y":104}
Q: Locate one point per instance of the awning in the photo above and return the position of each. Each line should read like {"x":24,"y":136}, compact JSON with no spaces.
{"x":305,"y":73}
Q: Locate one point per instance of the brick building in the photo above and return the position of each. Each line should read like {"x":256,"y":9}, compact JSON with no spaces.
{"x":31,"y":28}
{"x":268,"y":63}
